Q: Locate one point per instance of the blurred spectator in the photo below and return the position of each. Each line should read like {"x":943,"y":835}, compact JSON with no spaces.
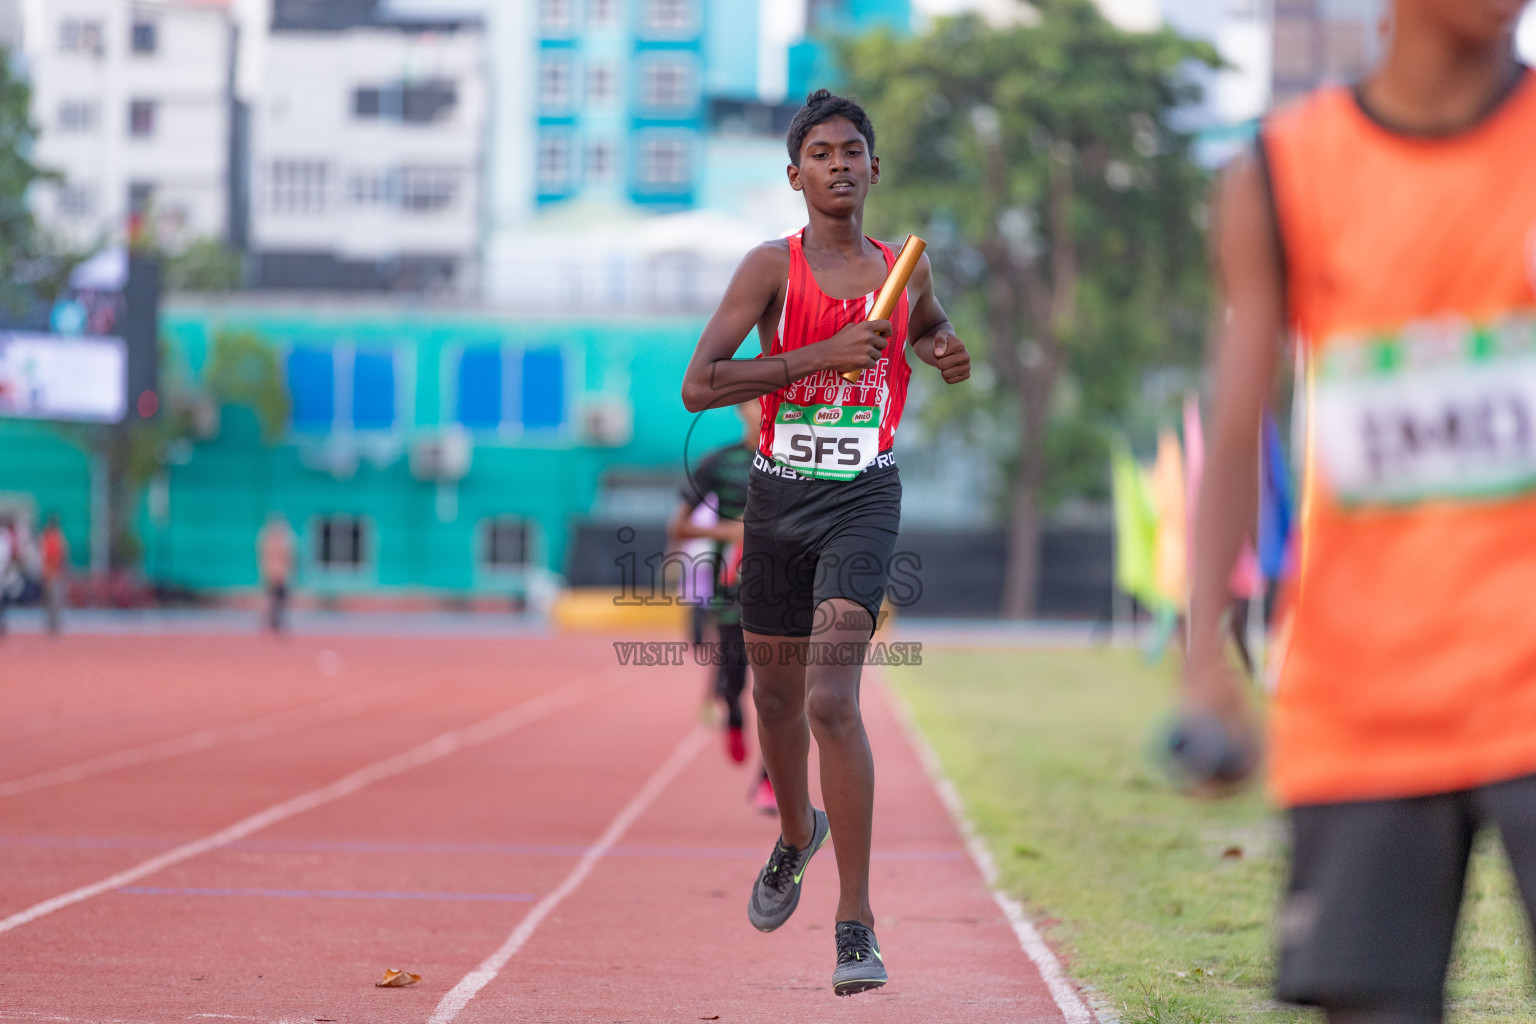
{"x":10,"y":566}
{"x":274,"y":553}
{"x":55,"y":565}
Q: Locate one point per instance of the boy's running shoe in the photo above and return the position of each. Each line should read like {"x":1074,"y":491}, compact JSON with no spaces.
{"x":859,"y":964}
{"x":735,"y":744}
{"x":776,"y":892}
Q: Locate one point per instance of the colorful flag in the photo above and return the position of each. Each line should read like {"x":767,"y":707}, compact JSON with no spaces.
{"x":1170,"y":555}
{"x":1135,"y":527}
{"x":1277,"y":520}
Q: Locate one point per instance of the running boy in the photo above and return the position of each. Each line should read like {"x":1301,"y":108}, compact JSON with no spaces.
{"x":1392,"y":227}
{"x":824,"y":500}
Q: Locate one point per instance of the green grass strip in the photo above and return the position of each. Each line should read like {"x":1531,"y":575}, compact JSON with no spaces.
{"x":1163,"y":906}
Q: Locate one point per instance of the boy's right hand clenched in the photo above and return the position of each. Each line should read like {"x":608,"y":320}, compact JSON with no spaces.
{"x":856,"y":347}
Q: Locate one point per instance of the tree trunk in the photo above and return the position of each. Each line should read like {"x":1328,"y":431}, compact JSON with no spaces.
{"x":1021,"y":579}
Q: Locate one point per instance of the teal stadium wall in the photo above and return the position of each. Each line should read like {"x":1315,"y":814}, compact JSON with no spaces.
{"x":218,"y":499}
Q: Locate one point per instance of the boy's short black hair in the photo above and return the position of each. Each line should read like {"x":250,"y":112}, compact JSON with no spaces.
{"x":820,"y":107}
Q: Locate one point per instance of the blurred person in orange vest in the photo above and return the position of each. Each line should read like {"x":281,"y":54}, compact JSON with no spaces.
{"x":1391,"y":229}
{"x":55,"y":559}
{"x":275,"y":555}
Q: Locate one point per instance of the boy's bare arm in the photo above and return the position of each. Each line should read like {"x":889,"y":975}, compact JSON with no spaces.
{"x":716,"y":378}
{"x":1246,"y":354}
{"x":936,"y":343}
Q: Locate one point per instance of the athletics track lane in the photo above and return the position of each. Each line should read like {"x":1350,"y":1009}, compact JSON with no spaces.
{"x":431,"y":869}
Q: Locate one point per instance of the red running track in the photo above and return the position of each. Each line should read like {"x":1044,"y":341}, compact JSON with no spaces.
{"x":232,"y":828}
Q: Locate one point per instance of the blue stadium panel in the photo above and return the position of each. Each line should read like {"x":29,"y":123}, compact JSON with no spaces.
{"x":543,"y":389}
{"x":373,"y":391}
{"x":480,"y":388}
{"x":312,"y":386}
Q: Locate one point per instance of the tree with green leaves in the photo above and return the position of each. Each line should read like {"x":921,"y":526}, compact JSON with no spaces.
{"x":26,"y":265}
{"x":1043,"y":164}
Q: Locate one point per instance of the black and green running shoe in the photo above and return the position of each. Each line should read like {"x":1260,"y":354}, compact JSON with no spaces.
{"x":776,"y":893}
{"x":859,"y":964}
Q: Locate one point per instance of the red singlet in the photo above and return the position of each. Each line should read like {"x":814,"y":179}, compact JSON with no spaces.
{"x":822,"y":426}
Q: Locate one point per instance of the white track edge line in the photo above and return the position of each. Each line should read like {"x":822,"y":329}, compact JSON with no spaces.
{"x":1067,"y":998}
{"x":470,"y":985}
{"x":523,"y":713}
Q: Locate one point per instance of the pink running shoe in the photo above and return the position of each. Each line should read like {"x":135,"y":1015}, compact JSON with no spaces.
{"x":763,"y":798}
{"x":735,"y":744}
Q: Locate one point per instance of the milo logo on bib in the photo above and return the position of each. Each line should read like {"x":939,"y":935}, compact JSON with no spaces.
{"x":1443,"y":410}
{"x":826,"y":442}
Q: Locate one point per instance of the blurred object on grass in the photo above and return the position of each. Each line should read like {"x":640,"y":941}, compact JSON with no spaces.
{"x":1157,"y":918}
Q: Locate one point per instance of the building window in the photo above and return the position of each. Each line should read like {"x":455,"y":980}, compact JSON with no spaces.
{"x":554,"y":161}
{"x":557,"y":17}
{"x":602,"y":13}
{"x":507,"y":543}
{"x":342,"y":543}
{"x":666,"y":85}
{"x":507,"y":388}
{"x":146,"y":37}
{"x":141,"y":118}
{"x":297,"y":186}
{"x":141,"y":196}
{"x":664,"y":163}
{"x":425,"y":102}
{"x":80,"y":35}
{"x":602,"y":84}
{"x":672,"y":17}
{"x":600,"y":161}
{"x":77,"y":116}
{"x":426,"y":189}
{"x":372,"y":188}
{"x":367,"y":103}
{"x":340,"y":389}
{"x":76,"y":201}
{"x":555,"y":85}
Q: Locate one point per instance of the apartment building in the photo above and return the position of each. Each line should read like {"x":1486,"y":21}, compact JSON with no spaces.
{"x":132,"y":99}
{"x":1318,"y":41}
{"x":368,"y":147}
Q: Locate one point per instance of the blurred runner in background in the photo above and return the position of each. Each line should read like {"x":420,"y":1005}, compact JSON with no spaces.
{"x":274,"y":555}
{"x":713,"y":501}
{"x":55,"y":564}
{"x":10,"y":565}
{"x":1391,"y":227}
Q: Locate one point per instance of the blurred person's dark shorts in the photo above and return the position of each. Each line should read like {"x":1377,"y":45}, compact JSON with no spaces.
{"x":808,"y":541}
{"x":1370,"y":912}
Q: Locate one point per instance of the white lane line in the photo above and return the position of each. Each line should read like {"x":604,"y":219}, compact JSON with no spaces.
{"x":292,"y":720}
{"x":1061,"y":988}
{"x":470,"y":985}
{"x":515,"y":717}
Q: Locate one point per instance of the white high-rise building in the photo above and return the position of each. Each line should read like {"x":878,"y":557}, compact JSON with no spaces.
{"x":10,"y":22}
{"x":368,"y":147}
{"x":132,"y":99}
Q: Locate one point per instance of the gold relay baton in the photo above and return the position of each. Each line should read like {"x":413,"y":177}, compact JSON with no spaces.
{"x":895,"y":284}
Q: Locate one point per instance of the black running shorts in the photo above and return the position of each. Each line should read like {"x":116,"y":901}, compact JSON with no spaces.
{"x":1370,"y":913}
{"x":808,"y":541}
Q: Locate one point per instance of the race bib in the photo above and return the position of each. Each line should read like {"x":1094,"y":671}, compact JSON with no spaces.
{"x":826,"y":442}
{"x":1442,"y":411}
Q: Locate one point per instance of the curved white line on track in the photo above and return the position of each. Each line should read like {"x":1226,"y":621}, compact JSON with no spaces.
{"x":1071,"y":1004}
{"x":292,"y":720}
{"x":470,"y":985}
{"x":515,"y":717}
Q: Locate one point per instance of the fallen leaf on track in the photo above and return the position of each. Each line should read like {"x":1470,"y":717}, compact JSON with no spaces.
{"x":394,"y":978}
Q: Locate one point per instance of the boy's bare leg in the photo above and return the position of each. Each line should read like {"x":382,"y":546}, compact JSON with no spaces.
{"x":847,"y":766}
{"x":795,"y":701}
{"x":778,"y":692}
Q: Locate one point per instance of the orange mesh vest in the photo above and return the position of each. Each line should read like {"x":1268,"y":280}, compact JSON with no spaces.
{"x":1410,"y":662}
